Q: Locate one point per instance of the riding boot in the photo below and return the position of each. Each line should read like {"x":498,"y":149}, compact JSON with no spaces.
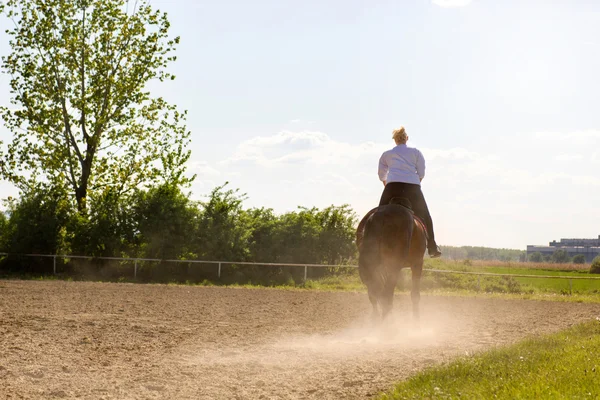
{"x":432,"y":247}
{"x":433,"y":250}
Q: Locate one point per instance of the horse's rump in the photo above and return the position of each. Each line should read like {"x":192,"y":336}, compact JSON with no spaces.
{"x":360,"y":229}
{"x":384,"y":243}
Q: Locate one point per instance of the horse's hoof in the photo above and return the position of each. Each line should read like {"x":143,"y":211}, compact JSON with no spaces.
{"x":375,"y":319}
{"x":416,"y":322}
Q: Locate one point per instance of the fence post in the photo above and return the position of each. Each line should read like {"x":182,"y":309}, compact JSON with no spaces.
{"x":479,"y":283}
{"x":305,"y":272}
{"x":54,"y":265}
{"x":219,"y":272}
{"x":570,"y":286}
{"x":135,"y":269}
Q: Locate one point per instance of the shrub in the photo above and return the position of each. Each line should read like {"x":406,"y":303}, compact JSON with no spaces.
{"x":36,"y":224}
{"x":164,"y":219}
{"x":536,"y":257}
{"x":579,"y":259}
{"x":560,"y":257}
{"x":595,"y":268}
{"x":512,"y":285}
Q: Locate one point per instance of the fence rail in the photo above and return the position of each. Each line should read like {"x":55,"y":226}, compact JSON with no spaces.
{"x":219,"y":265}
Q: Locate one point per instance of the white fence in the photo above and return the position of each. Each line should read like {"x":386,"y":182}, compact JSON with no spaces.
{"x":135,"y":262}
{"x":219,"y":265}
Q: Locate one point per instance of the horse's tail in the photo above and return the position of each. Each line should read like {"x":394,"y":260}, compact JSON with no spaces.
{"x":397,"y":236}
{"x":370,"y":260}
{"x":406,"y":233}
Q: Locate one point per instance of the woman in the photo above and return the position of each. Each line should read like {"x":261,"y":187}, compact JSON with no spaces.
{"x":401,"y":170}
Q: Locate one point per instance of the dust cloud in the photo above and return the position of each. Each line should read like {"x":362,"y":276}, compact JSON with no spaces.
{"x":344,"y":362}
{"x":361,"y":338}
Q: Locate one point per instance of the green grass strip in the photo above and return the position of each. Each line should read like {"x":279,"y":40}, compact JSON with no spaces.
{"x":565,"y":365}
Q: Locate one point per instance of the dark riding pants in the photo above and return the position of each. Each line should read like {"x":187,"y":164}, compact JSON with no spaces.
{"x":414,"y":194}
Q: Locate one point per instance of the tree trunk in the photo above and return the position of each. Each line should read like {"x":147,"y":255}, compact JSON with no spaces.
{"x":81,"y":191}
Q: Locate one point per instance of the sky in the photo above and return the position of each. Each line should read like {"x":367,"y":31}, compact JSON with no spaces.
{"x":293,"y":103}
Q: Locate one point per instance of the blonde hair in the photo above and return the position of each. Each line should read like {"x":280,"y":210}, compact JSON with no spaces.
{"x":399,"y":135}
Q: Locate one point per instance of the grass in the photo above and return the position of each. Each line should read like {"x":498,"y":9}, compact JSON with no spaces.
{"x":559,"y":366}
{"x":515,"y":264}
{"x":519,"y":267}
{"x":524,"y":285}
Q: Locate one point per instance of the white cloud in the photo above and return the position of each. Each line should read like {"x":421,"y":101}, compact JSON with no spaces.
{"x":314,"y":158}
{"x":584,"y":136}
{"x":306,"y":147}
{"x":451,"y":3}
{"x":586,"y":180}
{"x":569,"y":157}
{"x":317,"y":148}
{"x":301,"y":121}
{"x":203,"y":169}
{"x":456,"y":153}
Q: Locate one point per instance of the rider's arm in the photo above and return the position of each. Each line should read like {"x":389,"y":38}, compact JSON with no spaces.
{"x":383,"y":169}
{"x":420,"y":165}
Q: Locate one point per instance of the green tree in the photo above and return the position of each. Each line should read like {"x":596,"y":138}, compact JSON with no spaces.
{"x":595,"y":267}
{"x":84,"y":120}
{"x":3,"y":223}
{"x":262,"y":242}
{"x":579,"y":259}
{"x":560,"y":256}
{"x":308,"y":235}
{"x":337,"y":234}
{"x":37,"y":224}
{"x":108,"y":228}
{"x":223,"y":229}
{"x":315,"y":236}
{"x":165,"y":218}
{"x":488,"y":253}
{"x":536,"y":257}
{"x":483,"y":253}
{"x":297,"y":237}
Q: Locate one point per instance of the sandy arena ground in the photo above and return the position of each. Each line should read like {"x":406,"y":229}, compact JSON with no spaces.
{"x":128,"y":341}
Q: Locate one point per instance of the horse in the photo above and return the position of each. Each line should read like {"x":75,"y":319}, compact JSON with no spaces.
{"x":390,"y":237}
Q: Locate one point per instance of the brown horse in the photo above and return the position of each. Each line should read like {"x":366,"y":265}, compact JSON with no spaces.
{"x":390,"y":238}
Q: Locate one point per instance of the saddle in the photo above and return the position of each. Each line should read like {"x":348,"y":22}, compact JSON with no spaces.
{"x":401,"y":201}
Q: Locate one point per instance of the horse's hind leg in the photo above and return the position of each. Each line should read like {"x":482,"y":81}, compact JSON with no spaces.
{"x":366,"y":275}
{"x":415,"y":293}
{"x":373,"y":299}
{"x":387,"y":297}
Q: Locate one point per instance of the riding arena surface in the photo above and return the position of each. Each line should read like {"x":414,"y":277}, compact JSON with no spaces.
{"x":89,"y":340}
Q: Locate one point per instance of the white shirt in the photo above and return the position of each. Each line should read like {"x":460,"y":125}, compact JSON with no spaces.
{"x":402,"y":164}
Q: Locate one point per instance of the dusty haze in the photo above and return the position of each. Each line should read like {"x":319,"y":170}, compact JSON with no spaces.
{"x":127,"y":341}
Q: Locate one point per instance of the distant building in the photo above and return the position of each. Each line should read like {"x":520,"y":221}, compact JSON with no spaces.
{"x":590,"y":248}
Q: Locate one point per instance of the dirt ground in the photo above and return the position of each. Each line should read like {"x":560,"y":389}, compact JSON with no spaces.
{"x":129,"y":341}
